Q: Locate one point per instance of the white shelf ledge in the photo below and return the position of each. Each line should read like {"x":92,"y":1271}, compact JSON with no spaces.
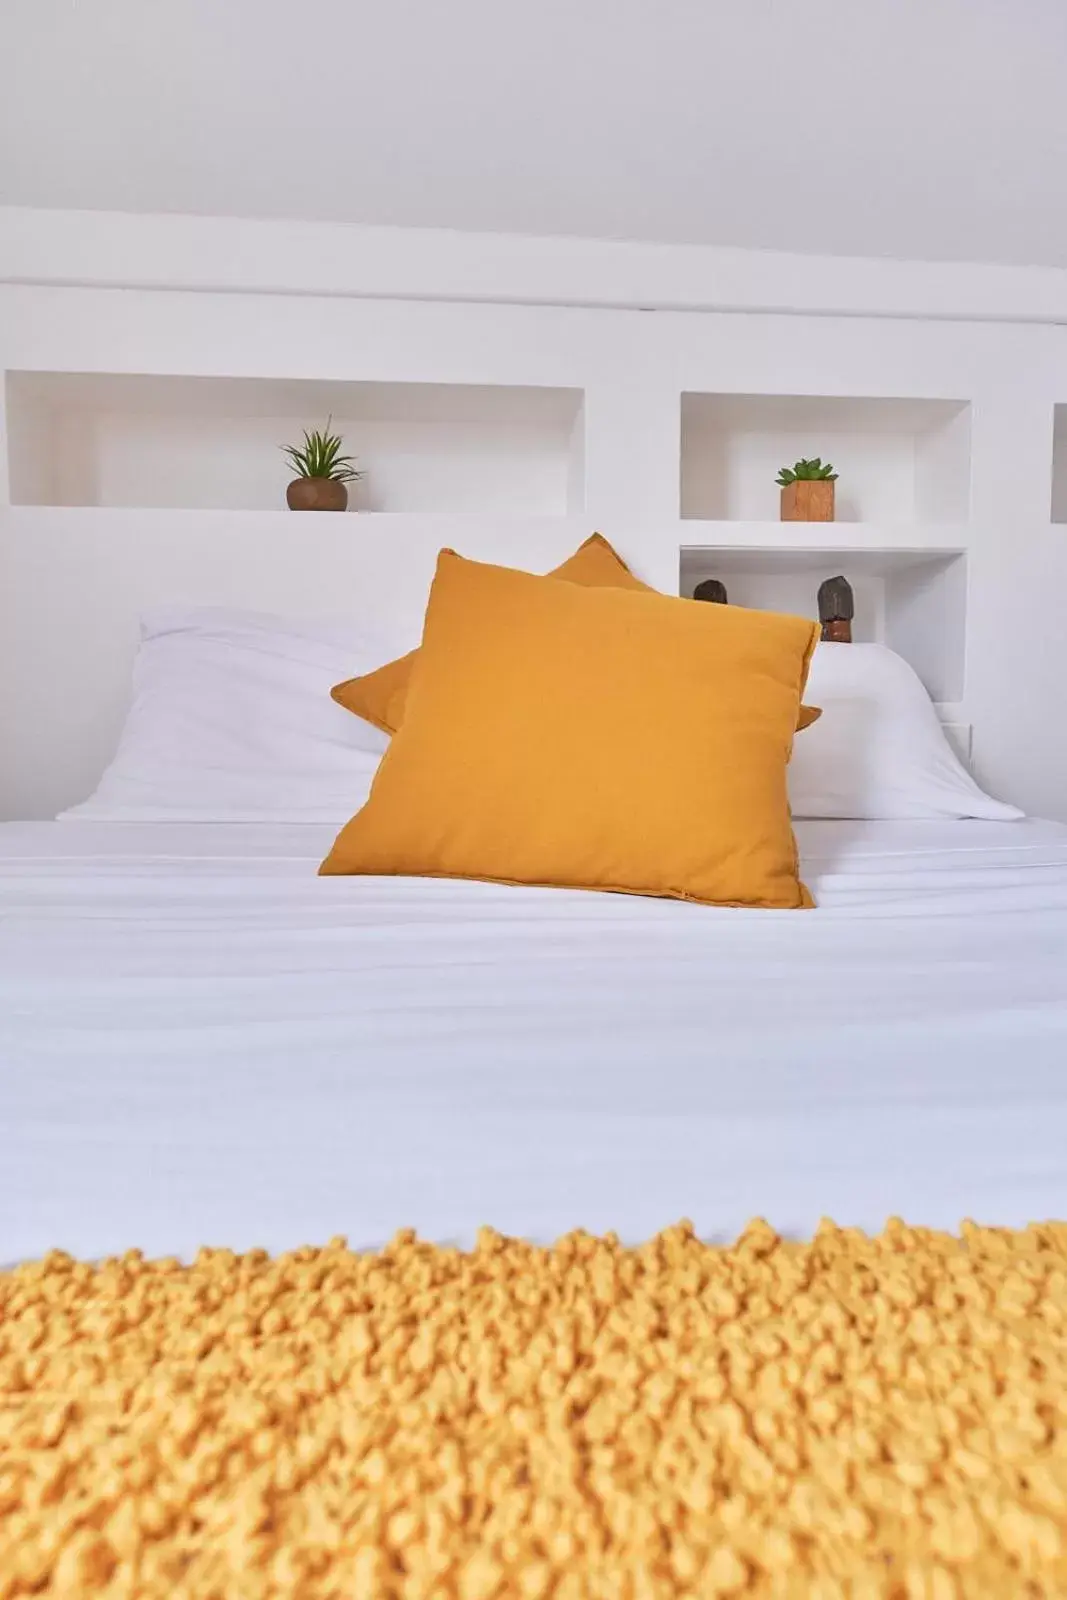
{"x":875,"y":546}
{"x":1059,"y":464}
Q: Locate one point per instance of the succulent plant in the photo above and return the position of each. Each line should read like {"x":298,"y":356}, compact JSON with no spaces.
{"x":807,"y":472}
{"x":321,"y":457}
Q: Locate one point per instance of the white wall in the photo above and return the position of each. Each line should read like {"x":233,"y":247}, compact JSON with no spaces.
{"x":72,"y":579}
{"x":928,"y":128}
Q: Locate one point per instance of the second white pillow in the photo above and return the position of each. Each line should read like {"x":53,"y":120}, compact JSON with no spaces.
{"x":878,"y":750}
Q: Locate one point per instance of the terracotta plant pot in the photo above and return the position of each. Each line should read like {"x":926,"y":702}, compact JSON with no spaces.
{"x":316,"y":494}
{"x":808,"y":500}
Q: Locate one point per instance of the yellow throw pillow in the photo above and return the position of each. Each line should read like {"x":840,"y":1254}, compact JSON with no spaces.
{"x":591,"y":738}
{"x":378,"y":697}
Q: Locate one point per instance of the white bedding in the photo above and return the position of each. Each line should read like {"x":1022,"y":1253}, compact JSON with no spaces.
{"x":202,"y":1042}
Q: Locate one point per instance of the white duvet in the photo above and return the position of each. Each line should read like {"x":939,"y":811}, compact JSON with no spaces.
{"x":203,"y":1042}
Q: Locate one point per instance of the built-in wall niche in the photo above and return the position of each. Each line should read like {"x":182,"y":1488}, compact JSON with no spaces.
{"x":1059,"y":465}
{"x":109,"y":439}
{"x":898,"y":460}
{"x":914,"y":601}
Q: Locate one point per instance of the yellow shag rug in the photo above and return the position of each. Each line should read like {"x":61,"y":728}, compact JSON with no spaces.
{"x":852,"y":1417}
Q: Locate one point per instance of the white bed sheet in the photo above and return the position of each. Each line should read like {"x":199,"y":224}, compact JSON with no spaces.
{"x":202,"y":1042}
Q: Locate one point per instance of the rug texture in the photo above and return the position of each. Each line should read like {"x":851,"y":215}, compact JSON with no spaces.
{"x":853,"y":1417}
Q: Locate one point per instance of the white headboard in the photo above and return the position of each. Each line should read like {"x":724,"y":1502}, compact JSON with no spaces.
{"x":139,"y":434}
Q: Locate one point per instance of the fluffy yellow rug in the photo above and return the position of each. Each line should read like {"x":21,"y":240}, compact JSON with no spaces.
{"x":851,"y":1417}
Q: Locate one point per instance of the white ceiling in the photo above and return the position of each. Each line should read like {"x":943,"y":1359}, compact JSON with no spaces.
{"x":909,"y":128}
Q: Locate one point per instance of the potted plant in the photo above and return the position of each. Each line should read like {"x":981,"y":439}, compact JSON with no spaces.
{"x":322,"y":472}
{"x":807,"y":491}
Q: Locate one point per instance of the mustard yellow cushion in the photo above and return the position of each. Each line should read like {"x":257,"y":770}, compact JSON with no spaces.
{"x":378,"y":697}
{"x":591,"y":738}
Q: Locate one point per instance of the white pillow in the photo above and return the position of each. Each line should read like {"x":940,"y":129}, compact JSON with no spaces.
{"x":232,"y":721}
{"x":878,"y":750}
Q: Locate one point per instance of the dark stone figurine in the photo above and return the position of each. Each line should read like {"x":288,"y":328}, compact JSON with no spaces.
{"x":711,"y":589}
{"x":836,"y":610}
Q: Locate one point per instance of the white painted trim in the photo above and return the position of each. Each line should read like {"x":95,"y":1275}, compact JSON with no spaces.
{"x":235,"y":255}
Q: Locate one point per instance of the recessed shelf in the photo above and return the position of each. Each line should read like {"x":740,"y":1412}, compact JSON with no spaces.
{"x":1059,"y":464}
{"x":899,"y":460}
{"x":913,"y":600}
{"x":116,"y":439}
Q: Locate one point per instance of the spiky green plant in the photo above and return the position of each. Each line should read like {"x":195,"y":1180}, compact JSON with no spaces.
{"x":807,"y":472}
{"x":321,"y":457}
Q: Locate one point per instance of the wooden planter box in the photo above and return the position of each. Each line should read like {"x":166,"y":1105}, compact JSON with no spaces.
{"x":810,"y":501}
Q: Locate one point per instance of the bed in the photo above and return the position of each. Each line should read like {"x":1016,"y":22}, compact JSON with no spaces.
{"x":396,"y":1238}
{"x":204,"y":1043}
